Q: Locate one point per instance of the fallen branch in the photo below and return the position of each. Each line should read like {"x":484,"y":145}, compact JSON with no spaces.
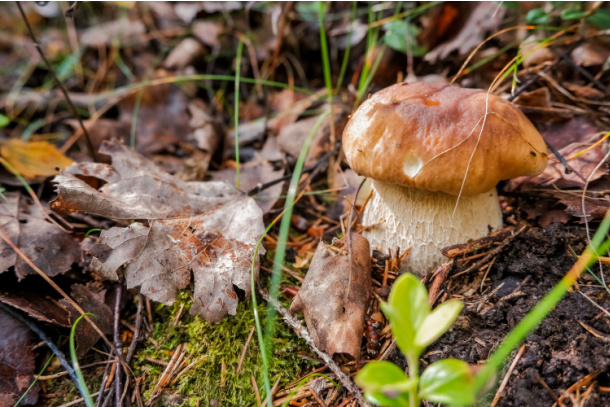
{"x":294,"y":323}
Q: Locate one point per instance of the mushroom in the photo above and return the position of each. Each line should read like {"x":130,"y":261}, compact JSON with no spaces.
{"x":435,"y":158}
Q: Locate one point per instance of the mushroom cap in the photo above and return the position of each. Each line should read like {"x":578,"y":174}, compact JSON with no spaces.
{"x":423,"y":135}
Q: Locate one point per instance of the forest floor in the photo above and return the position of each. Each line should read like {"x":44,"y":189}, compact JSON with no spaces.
{"x":214,"y":105}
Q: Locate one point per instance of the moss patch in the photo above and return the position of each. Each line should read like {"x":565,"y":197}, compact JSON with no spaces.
{"x":219,"y":342}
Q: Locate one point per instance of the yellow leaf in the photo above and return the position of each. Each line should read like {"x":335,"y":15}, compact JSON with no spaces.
{"x":32,"y":159}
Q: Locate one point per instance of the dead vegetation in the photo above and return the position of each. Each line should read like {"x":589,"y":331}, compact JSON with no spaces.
{"x":146,"y":147}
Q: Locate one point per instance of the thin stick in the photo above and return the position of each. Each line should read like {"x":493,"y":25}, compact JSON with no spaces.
{"x":51,"y":345}
{"x":118,"y":344}
{"x":55,"y":286}
{"x":58,"y":82}
{"x":507,"y":376}
{"x":243,"y":353}
{"x":136,"y":332}
{"x":64,"y":373}
{"x":302,"y":332}
{"x":80,"y":400}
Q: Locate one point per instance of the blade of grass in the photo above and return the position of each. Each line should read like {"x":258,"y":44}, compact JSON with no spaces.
{"x":265,"y":339}
{"x":34,"y":381}
{"x":79,"y":374}
{"x":327,"y":73}
{"x":324,"y":49}
{"x":240,"y":47}
{"x":348,"y":45}
{"x":541,"y":310}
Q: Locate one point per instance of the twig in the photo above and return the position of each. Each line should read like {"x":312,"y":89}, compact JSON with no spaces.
{"x":507,"y":376}
{"x":243,"y":353}
{"x":57,"y":288}
{"x":584,"y":72}
{"x":548,"y":389}
{"x":107,"y":372}
{"x":80,"y":400}
{"x":527,"y":84}
{"x":64,"y":373}
{"x":58,"y":82}
{"x":566,"y":167}
{"x":302,"y":332}
{"x":136,"y":332}
{"x":118,"y":344}
{"x":491,"y":253}
{"x":51,"y":345}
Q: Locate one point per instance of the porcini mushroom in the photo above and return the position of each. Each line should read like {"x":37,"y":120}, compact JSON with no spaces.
{"x":435,"y":153}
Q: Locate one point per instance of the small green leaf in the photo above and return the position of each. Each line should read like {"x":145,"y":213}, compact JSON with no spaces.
{"x":380,"y":399}
{"x":437,"y":322}
{"x":4,"y":121}
{"x":376,"y":376}
{"x":448,"y":381}
{"x":572,"y":13}
{"x":600,"y":19}
{"x":396,"y":34}
{"x":385,"y":384}
{"x":407,"y":308}
{"x":537,"y":16}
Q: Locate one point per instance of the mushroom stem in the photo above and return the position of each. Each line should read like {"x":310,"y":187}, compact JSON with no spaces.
{"x":426,"y":222}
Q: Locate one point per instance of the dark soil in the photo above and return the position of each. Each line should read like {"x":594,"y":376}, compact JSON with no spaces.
{"x":561,"y":351}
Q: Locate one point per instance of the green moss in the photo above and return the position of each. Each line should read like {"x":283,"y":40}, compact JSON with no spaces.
{"x":223,"y":341}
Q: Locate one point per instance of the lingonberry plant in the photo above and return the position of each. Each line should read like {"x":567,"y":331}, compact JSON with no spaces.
{"x":415,"y":326}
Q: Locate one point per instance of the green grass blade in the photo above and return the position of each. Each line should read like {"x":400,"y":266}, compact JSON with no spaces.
{"x":348,"y":46}
{"x":34,"y":381}
{"x":324,"y":49}
{"x":541,"y":310}
{"x":82,"y":385}
{"x":283,"y":236}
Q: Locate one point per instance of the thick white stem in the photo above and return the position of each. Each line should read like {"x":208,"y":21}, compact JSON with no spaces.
{"x":425,"y":222}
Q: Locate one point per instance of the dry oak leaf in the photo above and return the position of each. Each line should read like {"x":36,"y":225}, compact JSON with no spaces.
{"x":51,"y":249}
{"x":200,"y":231}
{"x":335,"y":294}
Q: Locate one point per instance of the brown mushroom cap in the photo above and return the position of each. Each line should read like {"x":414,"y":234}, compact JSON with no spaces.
{"x":423,"y":135}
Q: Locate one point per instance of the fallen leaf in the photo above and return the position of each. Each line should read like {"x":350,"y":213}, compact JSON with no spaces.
{"x":570,"y":138}
{"x":33,"y":159}
{"x":251,"y":175}
{"x":162,"y":118}
{"x":590,"y":54}
{"x":594,"y":208}
{"x":208,"y":32}
{"x":46,"y":245}
{"x":42,"y":308}
{"x":484,"y":18}
{"x":200,"y":231}
{"x":184,"y":54}
{"x":92,"y":299}
{"x":16,"y":363}
{"x":291,"y":138}
{"x":335,"y":294}
{"x":119,"y":32}
{"x":584,"y":92}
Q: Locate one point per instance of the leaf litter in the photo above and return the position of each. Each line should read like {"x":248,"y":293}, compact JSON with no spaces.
{"x":200,"y":233}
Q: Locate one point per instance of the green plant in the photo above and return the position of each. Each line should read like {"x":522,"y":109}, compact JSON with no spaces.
{"x":570,"y":10}
{"x":415,"y":326}
{"x":82,"y":385}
